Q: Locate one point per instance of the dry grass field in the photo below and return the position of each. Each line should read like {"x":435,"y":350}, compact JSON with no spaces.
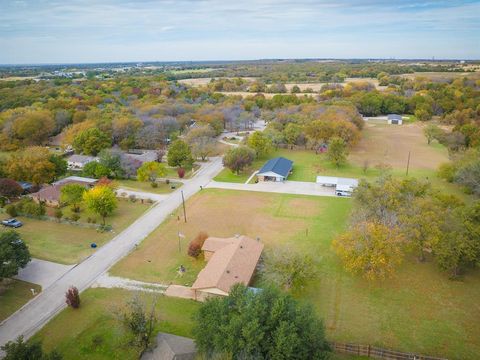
{"x":390,"y":144}
{"x":274,"y":218}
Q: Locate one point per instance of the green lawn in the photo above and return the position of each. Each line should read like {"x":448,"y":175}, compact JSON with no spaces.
{"x":13,"y":295}
{"x":69,"y":244}
{"x":135,"y":185}
{"x":94,"y":332}
{"x":418,"y":310}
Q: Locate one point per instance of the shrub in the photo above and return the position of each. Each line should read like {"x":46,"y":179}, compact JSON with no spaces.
{"x":58,"y":214}
{"x":447,"y":171}
{"x":181,"y":172}
{"x":195,"y":246}
{"x":11,"y":210}
{"x":3,"y":201}
{"x":154,"y":185}
{"x":132,"y":198}
{"x":72,"y":297}
{"x":75,"y":217}
{"x":167,"y":181}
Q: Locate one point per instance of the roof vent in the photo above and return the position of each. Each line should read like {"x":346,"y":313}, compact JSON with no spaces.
{"x":241,"y":246}
{"x":228,"y":271}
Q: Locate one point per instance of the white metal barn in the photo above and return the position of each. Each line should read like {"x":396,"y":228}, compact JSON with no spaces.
{"x":394,"y":119}
{"x":343,"y":186}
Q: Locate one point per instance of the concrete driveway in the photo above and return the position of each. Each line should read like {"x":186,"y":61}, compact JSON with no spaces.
{"x":43,"y":273}
{"x":287,"y":187}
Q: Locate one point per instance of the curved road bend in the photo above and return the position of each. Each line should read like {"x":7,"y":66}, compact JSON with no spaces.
{"x":36,"y":313}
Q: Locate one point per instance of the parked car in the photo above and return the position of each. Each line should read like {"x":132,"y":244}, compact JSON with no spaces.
{"x":343,"y":193}
{"x":12,"y":223}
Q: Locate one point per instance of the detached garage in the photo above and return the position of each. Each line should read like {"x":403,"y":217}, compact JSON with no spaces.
{"x":276,"y":169}
{"x":395,"y":119}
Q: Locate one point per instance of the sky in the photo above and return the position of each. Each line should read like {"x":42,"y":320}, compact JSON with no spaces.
{"x":78,"y":31}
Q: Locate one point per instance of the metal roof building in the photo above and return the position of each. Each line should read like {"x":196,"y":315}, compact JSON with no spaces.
{"x":276,"y":169}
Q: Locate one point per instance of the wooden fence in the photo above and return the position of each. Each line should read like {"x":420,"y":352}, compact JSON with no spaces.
{"x":377,"y":353}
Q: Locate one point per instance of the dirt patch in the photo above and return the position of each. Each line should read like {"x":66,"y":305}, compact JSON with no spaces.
{"x":390,"y":144}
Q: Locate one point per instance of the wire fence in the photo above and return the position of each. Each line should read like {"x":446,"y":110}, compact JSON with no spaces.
{"x":377,"y":353}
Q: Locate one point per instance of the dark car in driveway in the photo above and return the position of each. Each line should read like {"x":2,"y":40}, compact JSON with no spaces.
{"x":14,"y":223}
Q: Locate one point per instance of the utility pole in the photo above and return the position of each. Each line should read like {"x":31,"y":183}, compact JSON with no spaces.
{"x":408,"y":164}
{"x":184,"y":211}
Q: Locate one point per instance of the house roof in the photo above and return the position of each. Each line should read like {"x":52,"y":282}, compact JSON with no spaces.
{"x":143,"y":156}
{"x":234,"y":261}
{"x":48,"y":193}
{"x":82,"y":159}
{"x":279,"y":165}
{"x":171,"y":347}
{"x":76,"y":180}
{"x":53,"y":192}
{"x":394,"y":117}
{"x":327,"y":180}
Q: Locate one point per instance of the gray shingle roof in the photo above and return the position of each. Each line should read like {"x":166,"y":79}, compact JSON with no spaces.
{"x":279,"y":165}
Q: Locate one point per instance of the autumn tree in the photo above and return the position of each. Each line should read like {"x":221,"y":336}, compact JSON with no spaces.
{"x":10,"y":188}
{"x":195,"y":246}
{"x":337,"y":151}
{"x":179,"y":154}
{"x":260,"y":143}
{"x":91,"y":141}
{"x":14,"y":254}
{"x":72,"y":194}
{"x":33,"y":164}
{"x":202,"y":141}
{"x":237,"y":158}
{"x":371,"y":249}
{"x":420,"y":222}
{"x":72,"y":297}
{"x":101,"y":200}
{"x":151,"y":171}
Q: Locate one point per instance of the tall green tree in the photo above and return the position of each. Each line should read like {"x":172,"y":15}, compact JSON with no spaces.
{"x":263,"y":325}
{"x":14,"y":254}
{"x":72,"y":194}
{"x":260,"y":143}
{"x":151,"y":171}
{"x":237,"y":158}
{"x":101,"y":200}
{"x":91,"y":141}
{"x":20,"y":350}
{"x":179,"y":154}
{"x":337,"y":151}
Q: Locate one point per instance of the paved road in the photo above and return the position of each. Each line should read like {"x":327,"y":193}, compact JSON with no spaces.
{"x":42,"y":308}
{"x":43,"y":273}
{"x":287,"y":187}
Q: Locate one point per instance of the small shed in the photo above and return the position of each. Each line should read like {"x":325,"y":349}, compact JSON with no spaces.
{"x":171,"y":347}
{"x":395,"y":119}
{"x":276,"y":169}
